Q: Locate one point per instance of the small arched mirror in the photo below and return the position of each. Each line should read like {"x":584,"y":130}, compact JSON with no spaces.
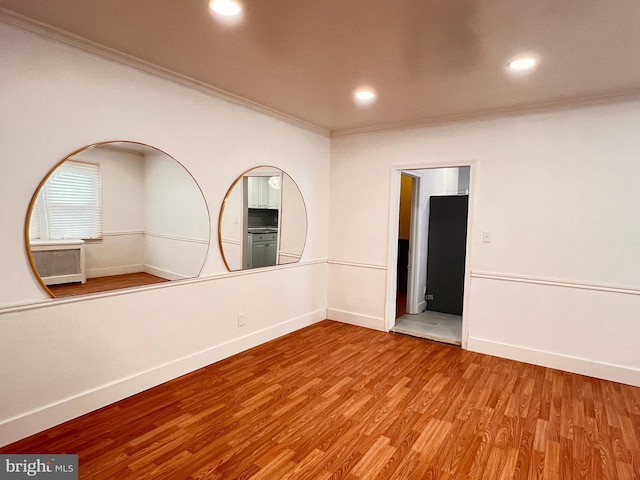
{"x":116,"y":215}
{"x":263,"y":220}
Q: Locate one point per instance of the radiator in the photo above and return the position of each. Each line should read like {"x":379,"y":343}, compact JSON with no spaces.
{"x":59,"y":261}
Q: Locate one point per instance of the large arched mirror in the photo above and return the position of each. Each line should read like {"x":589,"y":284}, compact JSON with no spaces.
{"x":116,"y":215}
{"x":263,"y":220}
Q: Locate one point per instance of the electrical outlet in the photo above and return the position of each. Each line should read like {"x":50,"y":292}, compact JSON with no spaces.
{"x":428,"y":297}
{"x":240,"y":319}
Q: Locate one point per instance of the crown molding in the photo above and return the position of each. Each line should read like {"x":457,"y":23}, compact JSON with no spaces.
{"x":58,"y":35}
{"x":53,"y":33}
{"x":517,"y":111}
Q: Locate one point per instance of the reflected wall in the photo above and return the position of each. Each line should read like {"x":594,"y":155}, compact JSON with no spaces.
{"x":154,"y":219}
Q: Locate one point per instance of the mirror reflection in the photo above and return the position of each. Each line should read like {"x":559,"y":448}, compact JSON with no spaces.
{"x":263,"y":220}
{"x":116,"y":215}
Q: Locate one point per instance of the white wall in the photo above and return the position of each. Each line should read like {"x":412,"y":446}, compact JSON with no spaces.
{"x":176,"y":220}
{"x":63,"y":357}
{"x":558,"y":192}
{"x":293,"y":222}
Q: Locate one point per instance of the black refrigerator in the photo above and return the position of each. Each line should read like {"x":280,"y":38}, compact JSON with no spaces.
{"x":447,"y":242}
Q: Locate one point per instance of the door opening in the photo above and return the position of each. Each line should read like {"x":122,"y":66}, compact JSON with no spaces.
{"x":404,"y":229}
{"x":435,"y":253}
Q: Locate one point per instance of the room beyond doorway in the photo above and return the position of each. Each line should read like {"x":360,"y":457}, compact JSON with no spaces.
{"x":431,"y":252}
{"x":441,"y":327}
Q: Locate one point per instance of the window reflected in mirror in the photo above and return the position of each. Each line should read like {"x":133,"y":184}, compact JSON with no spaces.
{"x":263,"y":220}
{"x":116,"y":215}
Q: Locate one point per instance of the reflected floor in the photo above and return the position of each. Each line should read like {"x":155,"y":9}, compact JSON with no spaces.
{"x":442,"y":327}
{"x":104,"y":284}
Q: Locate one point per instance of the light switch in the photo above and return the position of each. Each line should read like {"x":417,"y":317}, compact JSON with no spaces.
{"x":486,"y":237}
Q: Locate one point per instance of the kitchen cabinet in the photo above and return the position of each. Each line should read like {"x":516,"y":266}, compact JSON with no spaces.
{"x":262,"y":249}
{"x":261,"y":194}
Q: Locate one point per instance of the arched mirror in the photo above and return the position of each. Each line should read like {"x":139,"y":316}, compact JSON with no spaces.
{"x":116,"y":215}
{"x":263,"y":220}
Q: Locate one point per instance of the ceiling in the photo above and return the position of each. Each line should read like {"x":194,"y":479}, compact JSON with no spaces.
{"x":428,"y":60}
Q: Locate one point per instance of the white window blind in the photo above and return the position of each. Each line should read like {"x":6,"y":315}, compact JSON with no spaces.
{"x":70,"y":204}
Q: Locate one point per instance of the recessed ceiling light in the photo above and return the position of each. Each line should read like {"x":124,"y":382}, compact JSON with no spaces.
{"x":228,"y":8}
{"x":364,"y":95}
{"x":520,"y":64}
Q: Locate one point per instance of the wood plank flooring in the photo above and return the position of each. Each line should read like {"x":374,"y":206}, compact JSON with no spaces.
{"x":104,"y":284}
{"x":335,"y":401}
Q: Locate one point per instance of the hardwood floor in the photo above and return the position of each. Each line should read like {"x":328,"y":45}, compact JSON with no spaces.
{"x":103,"y":284}
{"x":335,"y":401}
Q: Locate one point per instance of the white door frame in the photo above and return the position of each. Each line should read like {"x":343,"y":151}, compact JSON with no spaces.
{"x":414,"y":242}
{"x":392,"y":250}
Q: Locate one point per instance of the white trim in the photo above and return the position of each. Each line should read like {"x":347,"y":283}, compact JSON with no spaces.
{"x":289,"y":254}
{"x":616,"y":373}
{"x":123,"y":233}
{"x":38,"y":244}
{"x":117,"y":270}
{"x":352,"y":318}
{"x":157,"y":235}
{"x":466,"y":300}
{"x":392,"y":247}
{"x":357,"y":264}
{"x":629,"y":95}
{"x":178,"y":239}
{"x":166,"y":274}
{"x":160,"y":235}
{"x":555,"y":282}
{"x":75,"y":41}
{"x":51,"y":302}
{"x":39,"y":419}
{"x":231,"y":241}
{"x":414,"y":297}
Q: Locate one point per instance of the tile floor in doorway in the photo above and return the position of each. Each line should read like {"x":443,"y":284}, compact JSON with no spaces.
{"x":442,"y":327}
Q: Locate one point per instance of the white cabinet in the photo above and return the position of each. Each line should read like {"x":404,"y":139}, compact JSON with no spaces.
{"x":261,"y":194}
{"x":258,"y":196}
{"x":274,"y":195}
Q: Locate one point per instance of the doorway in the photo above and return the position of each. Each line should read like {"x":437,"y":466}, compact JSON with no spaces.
{"x":432,"y":263}
{"x":405,"y":291}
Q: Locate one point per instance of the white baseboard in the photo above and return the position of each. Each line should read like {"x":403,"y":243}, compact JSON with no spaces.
{"x":28,"y":423}
{"x":159,"y":272}
{"x":117,"y":270}
{"x":137,"y":268}
{"x":422,"y":306}
{"x":616,"y":373}
{"x":375,"y":323}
